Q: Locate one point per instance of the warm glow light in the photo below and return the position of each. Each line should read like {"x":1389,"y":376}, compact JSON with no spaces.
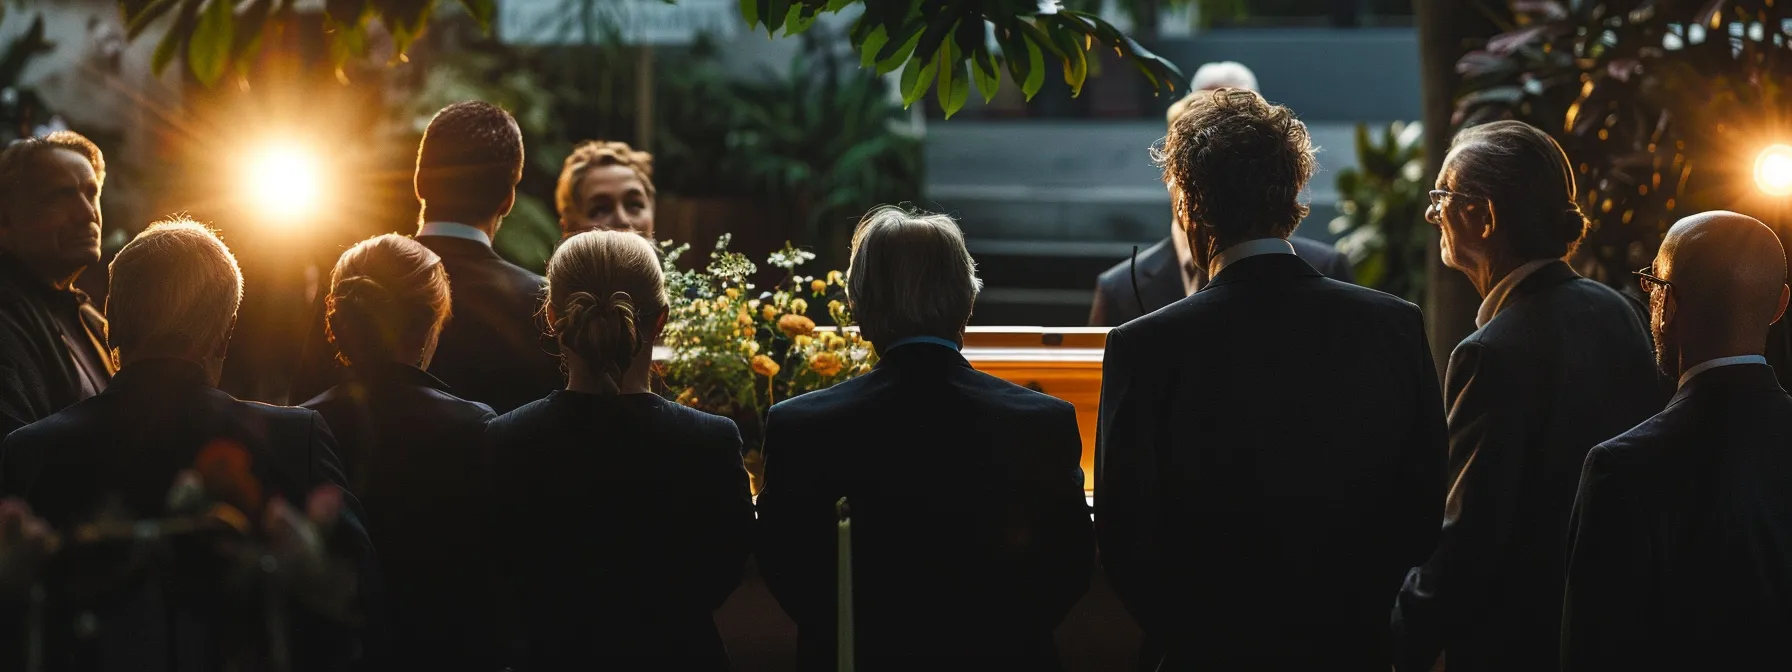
{"x":1773,"y":170}
{"x":286,"y":182}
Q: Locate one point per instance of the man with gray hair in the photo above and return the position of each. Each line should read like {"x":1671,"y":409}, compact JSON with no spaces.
{"x":975,"y":561}
{"x":175,"y":293}
{"x":1166,"y":272}
{"x":52,"y":339}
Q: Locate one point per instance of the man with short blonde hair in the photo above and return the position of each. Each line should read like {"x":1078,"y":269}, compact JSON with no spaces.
{"x":175,"y":292}
{"x":972,"y":562}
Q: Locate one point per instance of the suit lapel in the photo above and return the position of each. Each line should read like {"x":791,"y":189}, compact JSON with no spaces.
{"x":1160,"y":281}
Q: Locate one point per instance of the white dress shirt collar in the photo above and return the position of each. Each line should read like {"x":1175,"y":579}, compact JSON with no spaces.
{"x":1710,"y":364}
{"x":454,"y":230}
{"x":1504,"y":287}
{"x":1249,"y":248}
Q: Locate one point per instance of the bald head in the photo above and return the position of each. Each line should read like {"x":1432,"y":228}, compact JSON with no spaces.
{"x":1729,"y":285}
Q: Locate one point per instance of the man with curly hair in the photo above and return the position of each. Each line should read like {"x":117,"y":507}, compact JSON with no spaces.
{"x":1270,"y":450}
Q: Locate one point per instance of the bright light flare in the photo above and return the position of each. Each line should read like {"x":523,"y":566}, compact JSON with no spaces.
{"x":286,"y":182}
{"x":1773,"y":170}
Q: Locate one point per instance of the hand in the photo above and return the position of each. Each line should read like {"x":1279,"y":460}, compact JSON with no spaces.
{"x":25,"y":542}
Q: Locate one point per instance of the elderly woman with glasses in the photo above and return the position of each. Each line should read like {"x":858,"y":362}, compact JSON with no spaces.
{"x":1558,"y":364}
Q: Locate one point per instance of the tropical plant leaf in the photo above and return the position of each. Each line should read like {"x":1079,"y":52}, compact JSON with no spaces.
{"x":916,"y":77}
{"x":749,"y":12}
{"x":208,"y":51}
{"x":138,"y":15}
{"x":954,"y":87}
{"x":988,"y":76}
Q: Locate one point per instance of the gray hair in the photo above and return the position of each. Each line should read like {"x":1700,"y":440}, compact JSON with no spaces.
{"x":910,"y":276}
{"x":175,"y":291}
{"x":1223,"y":74}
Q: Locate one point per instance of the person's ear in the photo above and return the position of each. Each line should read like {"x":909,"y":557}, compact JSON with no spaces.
{"x":510,"y":202}
{"x":1669,"y":307}
{"x":1488,"y":219}
{"x":1785,"y":293}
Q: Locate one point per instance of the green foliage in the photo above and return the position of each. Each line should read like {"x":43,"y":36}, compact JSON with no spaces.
{"x":1659,"y":105}
{"x":215,"y":35}
{"x":927,"y":37}
{"x":824,"y":140}
{"x":1382,"y":209}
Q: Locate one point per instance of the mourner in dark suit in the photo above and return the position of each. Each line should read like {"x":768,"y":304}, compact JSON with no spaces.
{"x":1270,"y":450}
{"x":1559,"y":364}
{"x":1680,"y":554}
{"x":492,"y":352}
{"x":52,"y":340}
{"x":968,"y":566}
{"x":1167,"y":272}
{"x":412,"y":453}
{"x":116,"y":456}
{"x":626,"y":517}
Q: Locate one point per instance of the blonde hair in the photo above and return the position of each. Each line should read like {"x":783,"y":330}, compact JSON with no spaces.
{"x":593,"y":154}
{"x":175,"y":291}
{"x":602,"y":287}
{"x":386,"y":293}
{"x":1215,"y":75}
{"x":910,"y":275}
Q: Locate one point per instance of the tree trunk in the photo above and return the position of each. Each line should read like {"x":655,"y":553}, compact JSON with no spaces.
{"x":1446,"y":30}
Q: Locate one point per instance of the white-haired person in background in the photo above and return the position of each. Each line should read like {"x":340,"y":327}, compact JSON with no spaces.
{"x":975,"y":561}
{"x":1166,"y":272}
{"x":173,"y":304}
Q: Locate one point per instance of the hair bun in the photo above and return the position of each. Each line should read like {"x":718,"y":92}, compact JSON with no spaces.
{"x":361,"y":292}
{"x":601,"y":330}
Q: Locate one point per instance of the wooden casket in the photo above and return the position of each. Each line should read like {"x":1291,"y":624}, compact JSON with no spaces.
{"x":1064,"y":362}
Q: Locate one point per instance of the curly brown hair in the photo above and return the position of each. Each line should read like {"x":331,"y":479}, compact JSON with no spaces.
{"x":592,"y":154}
{"x":1239,"y":163}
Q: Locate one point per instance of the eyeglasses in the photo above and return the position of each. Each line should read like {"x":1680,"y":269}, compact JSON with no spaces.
{"x":1647,"y":280}
{"x":1435,"y":210}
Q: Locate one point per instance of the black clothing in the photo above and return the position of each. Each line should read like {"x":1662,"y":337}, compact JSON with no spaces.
{"x":1269,"y":463}
{"x":1564,"y":364}
{"x":1160,"y":281}
{"x":52,"y":348}
{"x":973,"y":562}
{"x":117,"y":454}
{"x":412,"y":453}
{"x":1681,"y":547}
{"x":623,"y":520}
{"x":492,"y":351}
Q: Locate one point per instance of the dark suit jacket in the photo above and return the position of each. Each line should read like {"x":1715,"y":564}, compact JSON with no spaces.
{"x":1270,"y":462}
{"x":1564,"y":364}
{"x":492,"y":350}
{"x":1681,"y":546}
{"x":38,"y":375}
{"x":973,"y":562}
{"x":1160,"y":281}
{"x":626,"y":521}
{"x":413,"y":456}
{"x":119,"y":452}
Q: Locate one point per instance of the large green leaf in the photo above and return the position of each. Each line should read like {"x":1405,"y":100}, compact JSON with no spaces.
{"x":749,"y":12}
{"x":955,"y":86}
{"x":989,"y":78}
{"x":138,"y":15}
{"x":208,"y":52}
{"x":870,"y":45}
{"x":916,"y":77}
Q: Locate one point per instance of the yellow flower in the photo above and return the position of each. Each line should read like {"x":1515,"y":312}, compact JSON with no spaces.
{"x":803,"y":341}
{"x":835,"y":306}
{"x":781,"y":298}
{"x":819,"y":286}
{"x":703,"y":308}
{"x":732,"y":293}
{"x":836,"y":277}
{"x":744,"y":318}
{"x":753,"y":304}
{"x":799,"y":306}
{"x":794,"y":325}
{"x":688,"y":396}
{"x":770,"y":312}
{"x":764,"y":366}
{"x":830,"y":339}
{"x":721,"y":303}
{"x":750,"y":347}
{"x":825,"y":363}
{"x":749,"y":332}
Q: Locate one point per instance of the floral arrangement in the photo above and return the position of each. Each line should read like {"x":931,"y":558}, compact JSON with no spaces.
{"x":735,"y":351}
